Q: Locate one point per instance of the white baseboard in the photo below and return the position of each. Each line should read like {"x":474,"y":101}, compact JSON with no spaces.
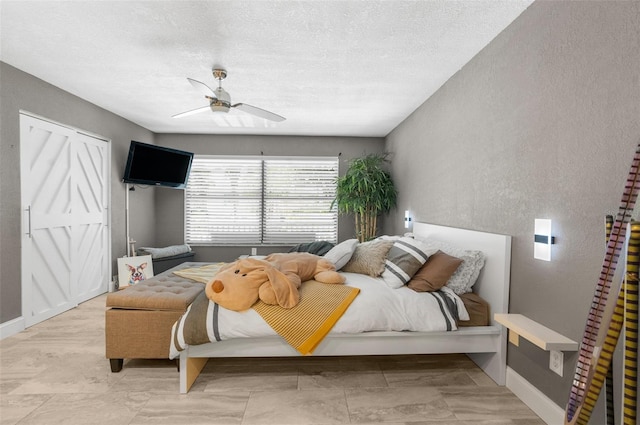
{"x":11,"y":327}
{"x":542,"y":405}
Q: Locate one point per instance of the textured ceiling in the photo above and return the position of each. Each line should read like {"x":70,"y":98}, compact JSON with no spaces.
{"x":347,"y":68}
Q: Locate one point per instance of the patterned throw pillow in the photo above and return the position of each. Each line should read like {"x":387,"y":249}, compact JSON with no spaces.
{"x":465,"y":277}
{"x":404,"y":259}
{"x":368,"y":258}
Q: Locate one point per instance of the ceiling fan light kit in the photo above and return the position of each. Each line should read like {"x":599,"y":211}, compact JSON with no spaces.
{"x":219,"y":105}
{"x":220,"y":100}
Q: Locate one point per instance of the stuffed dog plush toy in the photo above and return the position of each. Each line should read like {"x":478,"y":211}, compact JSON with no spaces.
{"x":275,"y":280}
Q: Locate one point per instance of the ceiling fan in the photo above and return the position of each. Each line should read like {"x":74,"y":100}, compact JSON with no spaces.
{"x":220,"y":101}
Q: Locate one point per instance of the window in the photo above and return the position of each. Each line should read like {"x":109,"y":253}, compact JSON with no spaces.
{"x":260,"y":200}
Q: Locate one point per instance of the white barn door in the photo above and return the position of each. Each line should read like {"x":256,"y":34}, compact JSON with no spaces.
{"x":91,"y":234}
{"x":65,"y":237}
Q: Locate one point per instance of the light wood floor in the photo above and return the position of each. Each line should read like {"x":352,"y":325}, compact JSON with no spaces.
{"x":56,"y":373}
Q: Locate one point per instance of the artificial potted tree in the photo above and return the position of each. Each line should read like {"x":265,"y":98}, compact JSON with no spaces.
{"x":366,"y":190}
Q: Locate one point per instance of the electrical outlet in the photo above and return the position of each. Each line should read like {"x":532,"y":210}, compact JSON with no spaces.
{"x":254,"y":251}
{"x":113,"y":285}
{"x":556,"y":360}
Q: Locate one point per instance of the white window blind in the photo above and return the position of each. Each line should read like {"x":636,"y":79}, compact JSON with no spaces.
{"x":223,"y":201}
{"x":297,"y":201}
{"x":261,"y":201}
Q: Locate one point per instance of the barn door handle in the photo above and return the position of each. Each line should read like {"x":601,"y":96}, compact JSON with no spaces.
{"x":29,"y":221}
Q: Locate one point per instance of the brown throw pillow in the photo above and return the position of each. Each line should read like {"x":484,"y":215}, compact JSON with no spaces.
{"x":435,"y":273}
{"x":369,"y":258}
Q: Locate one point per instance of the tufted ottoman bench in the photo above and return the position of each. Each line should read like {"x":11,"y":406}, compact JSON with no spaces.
{"x":139,"y":318}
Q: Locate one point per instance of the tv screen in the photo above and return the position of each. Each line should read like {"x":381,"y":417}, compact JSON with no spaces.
{"x":157,"y":165}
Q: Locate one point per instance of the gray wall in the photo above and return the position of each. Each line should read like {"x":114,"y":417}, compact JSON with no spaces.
{"x":170,"y":203}
{"x":21,"y":91}
{"x":150,"y":208}
{"x":543,"y":123}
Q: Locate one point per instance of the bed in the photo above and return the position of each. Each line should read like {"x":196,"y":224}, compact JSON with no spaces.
{"x":485,"y":345}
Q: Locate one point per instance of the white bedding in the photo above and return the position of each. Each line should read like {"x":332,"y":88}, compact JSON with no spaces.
{"x":376,"y":308}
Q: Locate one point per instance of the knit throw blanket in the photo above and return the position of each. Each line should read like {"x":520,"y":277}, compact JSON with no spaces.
{"x":202,"y":274}
{"x":303,"y":326}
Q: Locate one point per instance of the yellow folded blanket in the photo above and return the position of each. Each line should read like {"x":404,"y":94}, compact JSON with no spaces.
{"x":305,"y":325}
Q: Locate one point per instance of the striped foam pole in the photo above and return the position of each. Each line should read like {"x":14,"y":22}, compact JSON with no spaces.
{"x":608,"y":394}
{"x":603,"y":366}
{"x":630,"y":388}
{"x":603,"y":361}
{"x":589,"y":352}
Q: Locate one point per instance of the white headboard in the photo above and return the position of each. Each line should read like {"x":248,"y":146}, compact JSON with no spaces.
{"x":494,"y":279}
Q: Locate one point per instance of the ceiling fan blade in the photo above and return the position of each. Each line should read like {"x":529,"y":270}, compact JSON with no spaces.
{"x":202,"y":87}
{"x":192,"y":112}
{"x":259,"y":112}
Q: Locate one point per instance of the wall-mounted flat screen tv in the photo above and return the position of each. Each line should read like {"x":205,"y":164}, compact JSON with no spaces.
{"x":157,"y":166}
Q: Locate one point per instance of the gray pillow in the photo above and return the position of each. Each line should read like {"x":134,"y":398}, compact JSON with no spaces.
{"x":168,"y":251}
{"x":318,"y":247}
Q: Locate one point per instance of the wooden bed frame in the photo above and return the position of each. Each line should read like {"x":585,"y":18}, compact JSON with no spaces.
{"x":485,"y":345}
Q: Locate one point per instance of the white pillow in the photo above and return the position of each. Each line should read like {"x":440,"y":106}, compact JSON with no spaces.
{"x":404,"y":259}
{"x":341,"y":253}
{"x":467,"y":273}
